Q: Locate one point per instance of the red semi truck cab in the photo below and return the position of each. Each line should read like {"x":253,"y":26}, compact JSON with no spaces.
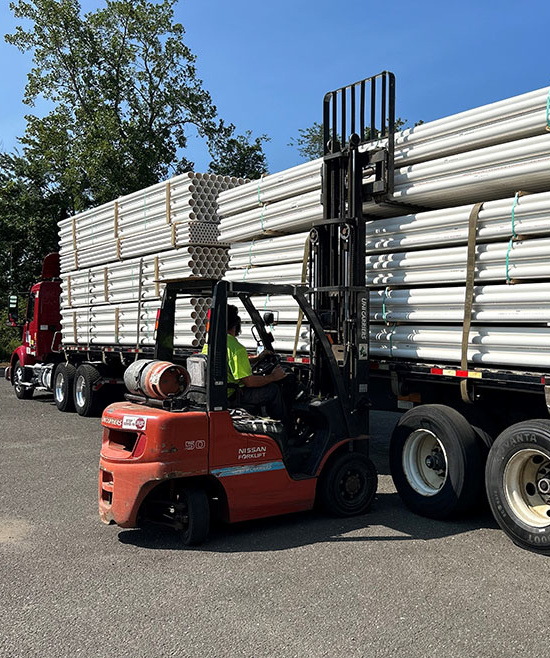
{"x":42,"y":324}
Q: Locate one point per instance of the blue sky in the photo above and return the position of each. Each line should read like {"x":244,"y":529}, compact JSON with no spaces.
{"x":268,"y":64}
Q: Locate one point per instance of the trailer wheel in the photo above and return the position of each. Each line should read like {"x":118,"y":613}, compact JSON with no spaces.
{"x":192,"y":515}
{"x":21,"y":392}
{"x":436,"y":461}
{"x":348,"y":485}
{"x":63,"y":385}
{"x":86,"y":400}
{"x":518,"y":483}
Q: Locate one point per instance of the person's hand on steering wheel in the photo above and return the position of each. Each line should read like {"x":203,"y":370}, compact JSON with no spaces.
{"x":263,"y":355}
{"x":278,"y":373}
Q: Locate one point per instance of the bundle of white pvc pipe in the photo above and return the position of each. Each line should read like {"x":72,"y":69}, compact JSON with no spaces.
{"x":506,"y":346}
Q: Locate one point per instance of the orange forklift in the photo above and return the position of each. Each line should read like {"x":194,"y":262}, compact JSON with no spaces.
{"x":190,"y":454}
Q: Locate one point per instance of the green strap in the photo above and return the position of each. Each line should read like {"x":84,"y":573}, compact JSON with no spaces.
{"x":245,"y":273}
{"x":508,"y":279}
{"x":262,"y":219}
{"x":266,"y":302}
{"x":548,"y":111}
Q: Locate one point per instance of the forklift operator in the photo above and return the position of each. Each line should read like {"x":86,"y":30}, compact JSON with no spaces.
{"x":243,"y":387}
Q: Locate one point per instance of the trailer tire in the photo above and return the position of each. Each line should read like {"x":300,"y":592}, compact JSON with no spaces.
{"x":348,"y":484}
{"x":87,"y":401}
{"x":195,"y":515}
{"x":63,"y":386}
{"x":517,"y":479}
{"x":436,"y":461}
{"x":21,"y":392}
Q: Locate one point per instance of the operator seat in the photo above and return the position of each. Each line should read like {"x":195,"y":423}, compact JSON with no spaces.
{"x":245,"y":423}
{"x":247,"y":419}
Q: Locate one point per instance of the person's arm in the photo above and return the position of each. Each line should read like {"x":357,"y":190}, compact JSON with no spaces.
{"x":257,"y":381}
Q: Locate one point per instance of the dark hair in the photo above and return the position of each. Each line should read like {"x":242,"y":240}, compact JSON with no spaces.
{"x":233,"y":319}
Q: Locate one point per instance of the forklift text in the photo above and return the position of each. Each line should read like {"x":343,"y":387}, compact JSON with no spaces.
{"x":252,"y":453}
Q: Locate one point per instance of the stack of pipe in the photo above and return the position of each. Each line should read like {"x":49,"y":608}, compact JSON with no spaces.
{"x":140,"y":278}
{"x":133,"y":324}
{"x":482,"y":154}
{"x":416,"y":262}
{"x":177,"y":212}
{"x":116,"y":258}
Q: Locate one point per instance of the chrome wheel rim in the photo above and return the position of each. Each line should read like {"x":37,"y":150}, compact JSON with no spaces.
{"x":526,"y":481}
{"x":80,"y":388}
{"x":18,"y":378}
{"x":58,"y":388}
{"x":425,"y":462}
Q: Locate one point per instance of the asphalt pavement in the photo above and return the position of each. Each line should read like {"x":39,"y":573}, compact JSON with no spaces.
{"x":385,"y":584}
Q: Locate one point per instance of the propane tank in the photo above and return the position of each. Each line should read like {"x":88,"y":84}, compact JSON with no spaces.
{"x":156,"y":379}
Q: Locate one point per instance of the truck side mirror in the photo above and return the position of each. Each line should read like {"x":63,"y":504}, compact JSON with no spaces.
{"x":13,"y":311}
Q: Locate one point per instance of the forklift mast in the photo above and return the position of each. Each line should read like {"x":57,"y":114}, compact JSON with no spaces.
{"x":357,"y":168}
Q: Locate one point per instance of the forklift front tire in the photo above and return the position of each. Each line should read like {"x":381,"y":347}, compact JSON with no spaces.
{"x":348,"y":485}
{"x":194,"y":516}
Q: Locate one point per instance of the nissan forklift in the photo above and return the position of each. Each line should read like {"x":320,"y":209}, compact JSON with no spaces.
{"x":193,"y":454}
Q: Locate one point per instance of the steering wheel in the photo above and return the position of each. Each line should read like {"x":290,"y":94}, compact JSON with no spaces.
{"x":266,"y":365}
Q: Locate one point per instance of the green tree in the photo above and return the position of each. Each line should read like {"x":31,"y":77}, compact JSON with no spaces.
{"x":124,"y":89}
{"x":309,"y":141}
{"x":29,"y":211}
{"x":240,"y":156}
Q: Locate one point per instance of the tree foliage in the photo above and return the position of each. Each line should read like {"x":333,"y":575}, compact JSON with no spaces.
{"x":123,"y":94}
{"x":124,"y":89}
{"x":309,"y":141}
{"x":29,"y":211}
{"x":241,"y":156}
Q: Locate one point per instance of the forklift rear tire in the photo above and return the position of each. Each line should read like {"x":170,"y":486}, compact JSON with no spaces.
{"x":348,"y":485}
{"x":87,"y":401}
{"x":194,"y":515}
{"x":21,"y":392}
{"x":63,"y":384}
{"x":437,"y":461}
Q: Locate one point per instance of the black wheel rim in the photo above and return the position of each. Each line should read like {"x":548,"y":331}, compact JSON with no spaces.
{"x":352,"y":486}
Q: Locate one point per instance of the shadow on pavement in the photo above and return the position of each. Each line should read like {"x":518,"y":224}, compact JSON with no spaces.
{"x":392,"y":520}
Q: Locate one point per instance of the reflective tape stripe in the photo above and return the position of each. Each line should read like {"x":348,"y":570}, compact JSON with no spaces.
{"x":249,"y":468}
{"x":471,"y":374}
